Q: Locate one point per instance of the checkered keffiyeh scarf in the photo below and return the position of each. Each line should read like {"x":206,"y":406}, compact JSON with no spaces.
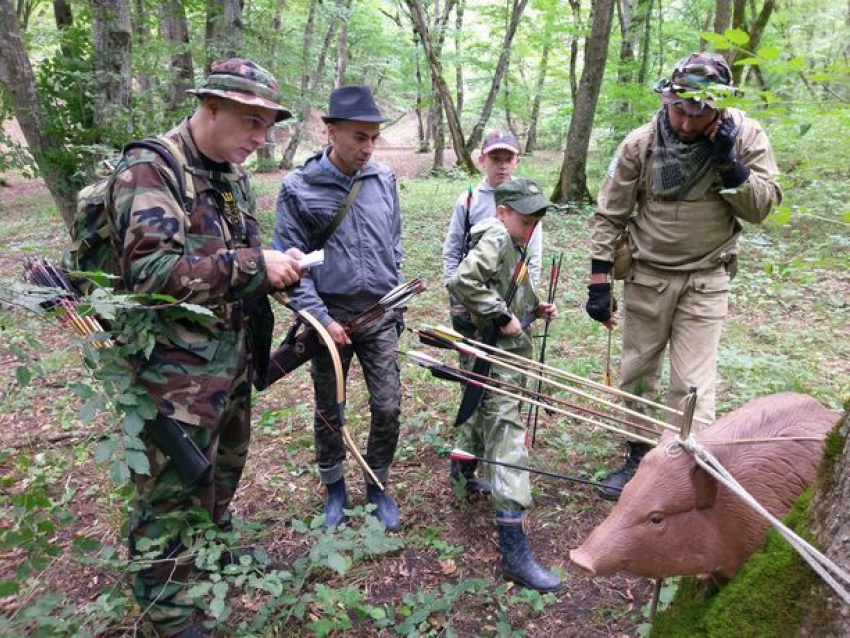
{"x":676,"y":166}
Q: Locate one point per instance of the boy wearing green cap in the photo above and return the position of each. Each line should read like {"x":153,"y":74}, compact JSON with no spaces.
{"x":497,"y":262}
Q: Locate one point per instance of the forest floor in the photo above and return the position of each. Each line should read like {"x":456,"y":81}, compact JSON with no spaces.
{"x":785,"y":332}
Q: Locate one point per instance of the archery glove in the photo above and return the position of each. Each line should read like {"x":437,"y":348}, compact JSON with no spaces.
{"x":723,"y":148}
{"x":599,"y":302}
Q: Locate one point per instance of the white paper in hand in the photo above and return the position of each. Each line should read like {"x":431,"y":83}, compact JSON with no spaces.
{"x":315,"y":258}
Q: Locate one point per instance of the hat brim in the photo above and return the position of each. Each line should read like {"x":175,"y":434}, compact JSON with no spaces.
{"x":371,"y":118}
{"x":691,"y":106}
{"x":530,"y":205}
{"x":246,"y":98}
{"x":500,"y":147}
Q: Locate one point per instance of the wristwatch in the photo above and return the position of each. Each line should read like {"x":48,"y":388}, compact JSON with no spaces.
{"x":504,"y":319}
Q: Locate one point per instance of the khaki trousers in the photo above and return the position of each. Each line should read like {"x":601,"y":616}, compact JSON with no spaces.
{"x":682,"y":310}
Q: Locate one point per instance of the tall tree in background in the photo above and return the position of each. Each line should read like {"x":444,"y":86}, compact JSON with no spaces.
{"x":342,"y":49}
{"x":575,"y":6}
{"x":501,"y":68}
{"x":754,"y":28}
{"x":64,"y":16}
{"x":303,"y":112}
{"x":112,"y":39}
{"x":17,"y":77}
{"x":224,"y":29}
{"x":633,"y":16}
{"x":175,"y":32}
{"x":417,"y":15}
{"x":572,"y":182}
{"x":531,"y":138}
{"x":461,"y":6}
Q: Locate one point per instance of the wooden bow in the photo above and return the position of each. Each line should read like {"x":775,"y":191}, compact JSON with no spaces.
{"x":330,"y":344}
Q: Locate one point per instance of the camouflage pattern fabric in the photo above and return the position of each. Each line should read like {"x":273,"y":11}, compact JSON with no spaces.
{"x":375,"y":348}
{"x":198,"y":373}
{"x":210,"y":257}
{"x":496,"y":430}
{"x":163,"y":508}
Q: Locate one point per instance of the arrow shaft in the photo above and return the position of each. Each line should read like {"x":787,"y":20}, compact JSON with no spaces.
{"x":565,"y":477}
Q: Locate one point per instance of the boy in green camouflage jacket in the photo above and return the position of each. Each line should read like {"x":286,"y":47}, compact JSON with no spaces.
{"x":481,"y":283}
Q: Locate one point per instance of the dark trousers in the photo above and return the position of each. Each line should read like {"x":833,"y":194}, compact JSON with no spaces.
{"x":375,"y":347}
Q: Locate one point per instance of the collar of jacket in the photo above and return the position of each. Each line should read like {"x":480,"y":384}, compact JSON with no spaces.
{"x":318,"y":169}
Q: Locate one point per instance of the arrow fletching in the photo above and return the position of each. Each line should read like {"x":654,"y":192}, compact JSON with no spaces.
{"x":461,"y":455}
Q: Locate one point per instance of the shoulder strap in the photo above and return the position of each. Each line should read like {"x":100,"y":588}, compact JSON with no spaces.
{"x":174,"y":157}
{"x":343,"y":210}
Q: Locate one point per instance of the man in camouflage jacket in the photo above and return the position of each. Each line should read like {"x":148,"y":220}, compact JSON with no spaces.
{"x":206,"y":251}
{"x":496,"y":431}
{"x":680,"y":185}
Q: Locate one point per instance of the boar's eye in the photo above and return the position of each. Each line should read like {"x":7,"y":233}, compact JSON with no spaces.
{"x":656,"y":518}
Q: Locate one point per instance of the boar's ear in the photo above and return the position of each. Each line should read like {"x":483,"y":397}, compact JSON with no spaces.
{"x":705,"y":488}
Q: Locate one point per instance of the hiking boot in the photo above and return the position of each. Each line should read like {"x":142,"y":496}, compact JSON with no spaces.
{"x":464,"y":471}
{"x":616,"y":481}
{"x":518,"y":565}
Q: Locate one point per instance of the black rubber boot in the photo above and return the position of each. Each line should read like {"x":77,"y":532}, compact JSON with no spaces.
{"x":196,"y":630}
{"x":386,"y":509}
{"x":616,"y":481}
{"x":518,"y":564}
{"x":465,"y":470}
{"x":336,"y":502}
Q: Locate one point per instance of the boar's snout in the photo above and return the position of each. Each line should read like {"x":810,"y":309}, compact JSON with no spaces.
{"x":583,"y":561}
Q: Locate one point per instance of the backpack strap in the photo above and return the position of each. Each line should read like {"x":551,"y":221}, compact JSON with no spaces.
{"x":340,"y":215}
{"x":170,"y":152}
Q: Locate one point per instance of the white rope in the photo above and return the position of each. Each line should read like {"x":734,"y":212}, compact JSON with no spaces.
{"x":818,"y":562}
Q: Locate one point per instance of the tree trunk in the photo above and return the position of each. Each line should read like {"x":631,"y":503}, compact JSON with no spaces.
{"x":576,"y":7}
{"x":531,"y":140}
{"x":498,"y":75}
{"x":418,"y":17}
{"x":572,"y":184}
{"x":342,"y":51}
{"x":18,"y":79}
{"x":224,"y":29}
{"x":644,"y":45}
{"x":423,"y":135}
{"x":304,"y":107}
{"x":175,"y":32}
{"x":111,"y":36}
{"x":265,"y":154}
{"x":831,"y":531}
{"x":64,"y":16}
{"x":756,"y":33}
{"x":633,"y":15}
{"x":461,"y":6}
{"x":722,"y":15}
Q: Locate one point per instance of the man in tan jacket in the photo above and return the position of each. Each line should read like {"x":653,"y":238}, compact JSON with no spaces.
{"x":678,"y":186}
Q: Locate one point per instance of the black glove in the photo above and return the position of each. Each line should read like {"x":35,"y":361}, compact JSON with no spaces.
{"x":723,"y":148}
{"x":599,"y":302}
{"x":732,"y":172}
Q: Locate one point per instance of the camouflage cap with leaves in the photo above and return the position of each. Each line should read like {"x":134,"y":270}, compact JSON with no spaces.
{"x":243,"y":81}
{"x":697,"y":81}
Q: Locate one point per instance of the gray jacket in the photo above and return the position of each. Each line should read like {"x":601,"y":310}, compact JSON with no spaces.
{"x":483,"y":206}
{"x":363,"y":256}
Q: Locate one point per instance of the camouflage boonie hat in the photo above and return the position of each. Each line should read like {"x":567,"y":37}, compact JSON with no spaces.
{"x":705,"y":74}
{"x":243,"y":81}
{"x":523,"y":196}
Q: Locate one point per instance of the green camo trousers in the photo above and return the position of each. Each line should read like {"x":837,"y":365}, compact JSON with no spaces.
{"x":165,"y":509}
{"x":497,"y":431}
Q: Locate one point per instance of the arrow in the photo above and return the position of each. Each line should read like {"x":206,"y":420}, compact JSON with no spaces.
{"x":461,"y":455}
{"x":441,"y":370}
{"x":452,"y":336}
{"x":476,"y":352}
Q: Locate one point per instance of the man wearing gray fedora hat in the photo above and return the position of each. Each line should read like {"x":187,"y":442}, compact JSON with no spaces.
{"x":345,"y":202}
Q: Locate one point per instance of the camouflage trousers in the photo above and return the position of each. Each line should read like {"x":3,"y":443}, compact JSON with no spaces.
{"x":497,"y":431}
{"x":166,"y":510}
{"x":375,"y":347}
{"x":680,"y":313}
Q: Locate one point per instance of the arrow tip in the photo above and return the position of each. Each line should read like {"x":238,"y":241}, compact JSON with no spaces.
{"x":460,"y":455}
